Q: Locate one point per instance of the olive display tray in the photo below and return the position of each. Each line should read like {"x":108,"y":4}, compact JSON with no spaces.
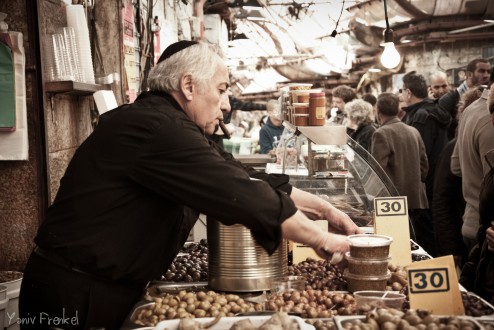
{"x":487,"y":317}
{"x":342,"y":321}
{"x":158,"y":288}
{"x":225,"y":323}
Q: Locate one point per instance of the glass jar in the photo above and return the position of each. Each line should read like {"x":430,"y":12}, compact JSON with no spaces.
{"x":317,"y":109}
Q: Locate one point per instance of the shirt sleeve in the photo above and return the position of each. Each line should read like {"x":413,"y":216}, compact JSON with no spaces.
{"x":180,"y":165}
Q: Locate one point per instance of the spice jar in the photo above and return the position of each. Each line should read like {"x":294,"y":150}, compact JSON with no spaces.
{"x":317,"y":109}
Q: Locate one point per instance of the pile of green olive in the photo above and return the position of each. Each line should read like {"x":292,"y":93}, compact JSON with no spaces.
{"x":191,"y":305}
{"x":312,"y":303}
{"x":386,"y":318}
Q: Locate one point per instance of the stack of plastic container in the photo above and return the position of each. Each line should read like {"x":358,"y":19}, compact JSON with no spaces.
{"x":76,"y":19}
{"x":368,"y":262}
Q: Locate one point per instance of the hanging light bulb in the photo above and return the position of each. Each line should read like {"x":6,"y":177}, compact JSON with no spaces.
{"x":390,"y":57}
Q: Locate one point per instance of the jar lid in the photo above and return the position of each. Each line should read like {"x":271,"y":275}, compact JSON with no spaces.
{"x":317,"y":94}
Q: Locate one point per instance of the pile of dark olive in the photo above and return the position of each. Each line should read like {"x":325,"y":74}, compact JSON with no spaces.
{"x":191,"y":305}
{"x":191,"y":266}
{"x":419,"y":257}
{"x":414,"y":246}
{"x":384,"y":318}
{"x":322,"y":324}
{"x":312,"y":303}
{"x":320,"y":275}
{"x":475,"y":306}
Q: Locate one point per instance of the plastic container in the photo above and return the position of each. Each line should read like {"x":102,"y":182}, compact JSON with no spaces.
{"x":300,"y":108}
{"x":301,"y":120}
{"x":379,"y":299}
{"x":365,"y":283}
{"x":287,"y":284}
{"x":369,"y":247}
{"x":317,"y":109}
{"x":367,"y":267}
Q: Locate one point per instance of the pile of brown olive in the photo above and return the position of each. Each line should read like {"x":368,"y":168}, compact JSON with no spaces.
{"x":385,"y":318}
{"x":189,"y":267}
{"x":312,"y":303}
{"x":320,"y":275}
{"x":191,"y":305}
{"x":322,"y":324}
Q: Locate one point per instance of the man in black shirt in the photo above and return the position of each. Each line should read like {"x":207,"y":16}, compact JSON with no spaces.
{"x":134,"y":189}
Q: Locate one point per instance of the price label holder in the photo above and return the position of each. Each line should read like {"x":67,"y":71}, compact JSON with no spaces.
{"x":433,"y":285}
{"x":391,"y":219}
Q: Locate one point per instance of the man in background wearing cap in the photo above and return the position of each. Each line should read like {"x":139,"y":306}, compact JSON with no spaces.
{"x":135,"y":187}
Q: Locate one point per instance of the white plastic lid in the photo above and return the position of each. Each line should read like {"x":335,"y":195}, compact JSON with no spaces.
{"x":369,"y":240}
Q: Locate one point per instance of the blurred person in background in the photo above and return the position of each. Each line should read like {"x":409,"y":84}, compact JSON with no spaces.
{"x":477,"y":73}
{"x":448,"y":204}
{"x":271,"y":131}
{"x":360,"y":122}
{"x":439,"y":85}
{"x":475,"y":138}
{"x":400,"y":151}
{"x":369,"y":97}
{"x":341,"y":95}
{"x":432,"y":124}
{"x":478,"y":273}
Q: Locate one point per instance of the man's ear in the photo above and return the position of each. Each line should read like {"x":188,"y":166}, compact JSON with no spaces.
{"x":187,"y":86}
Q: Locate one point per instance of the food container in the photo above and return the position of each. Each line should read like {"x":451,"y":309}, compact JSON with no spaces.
{"x":369,"y":247}
{"x":287,"y":284}
{"x":317,"y":109}
{"x":301,"y":120}
{"x":374,"y":299}
{"x":364,"y":283}
{"x":300,"y":108}
{"x":303,"y":96}
{"x":367,"y":267}
{"x":228,"y":322}
{"x":237,"y":263}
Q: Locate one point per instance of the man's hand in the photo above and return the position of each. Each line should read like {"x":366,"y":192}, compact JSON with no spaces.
{"x":339,"y":222}
{"x":490,"y":238}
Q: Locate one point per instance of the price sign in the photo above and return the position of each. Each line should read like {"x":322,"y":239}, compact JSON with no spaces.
{"x":429,"y":280}
{"x":390,"y":206}
{"x":431,"y":283}
{"x":391,"y":219}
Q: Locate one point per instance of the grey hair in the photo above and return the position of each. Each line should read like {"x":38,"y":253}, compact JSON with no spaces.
{"x":201,"y":60}
{"x":359,"y":111}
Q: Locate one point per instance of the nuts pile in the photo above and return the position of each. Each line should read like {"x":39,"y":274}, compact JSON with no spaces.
{"x":322,"y":324}
{"x":191,"y":267}
{"x":312,"y":303}
{"x":320,"y":275}
{"x":190,"y":305}
{"x":383,"y":318}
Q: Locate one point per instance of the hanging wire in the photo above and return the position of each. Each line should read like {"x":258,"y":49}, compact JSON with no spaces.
{"x":334,"y":33}
{"x":386,"y":14}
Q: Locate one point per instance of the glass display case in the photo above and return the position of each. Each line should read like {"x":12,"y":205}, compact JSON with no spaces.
{"x":330,"y":164}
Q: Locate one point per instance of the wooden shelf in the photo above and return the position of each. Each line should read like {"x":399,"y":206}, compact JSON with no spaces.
{"x":73,"y":88}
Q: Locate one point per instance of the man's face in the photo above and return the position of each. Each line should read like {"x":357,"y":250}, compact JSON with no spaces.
{"x":439,"y":87}
{"x":338,"y":103}
{"x":481,"y":74}
{"x":206,"y":109}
